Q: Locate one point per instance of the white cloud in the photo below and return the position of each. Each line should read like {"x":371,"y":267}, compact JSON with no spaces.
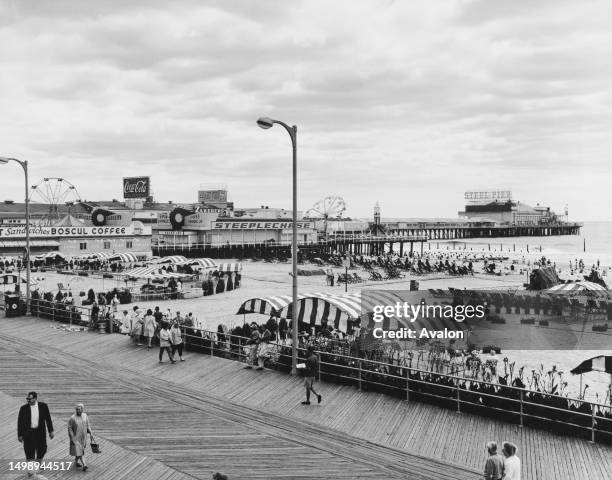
{"x":405,"y":103}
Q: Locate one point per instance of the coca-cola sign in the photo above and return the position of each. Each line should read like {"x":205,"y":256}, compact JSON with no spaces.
{"x":136,"y":187}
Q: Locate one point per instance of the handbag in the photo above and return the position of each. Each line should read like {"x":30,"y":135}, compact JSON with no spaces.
{"x":95,"y":447}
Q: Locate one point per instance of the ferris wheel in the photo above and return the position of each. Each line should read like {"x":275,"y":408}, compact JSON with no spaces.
{"x":54,"y":192}
{"x":329,"y":207}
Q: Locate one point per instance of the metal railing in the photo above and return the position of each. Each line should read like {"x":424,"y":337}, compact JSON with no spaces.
{"x":517,"y":405}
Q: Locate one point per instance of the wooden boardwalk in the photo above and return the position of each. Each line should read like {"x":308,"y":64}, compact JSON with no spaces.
{"x":247,"y":418}
{"x":171,"y":430}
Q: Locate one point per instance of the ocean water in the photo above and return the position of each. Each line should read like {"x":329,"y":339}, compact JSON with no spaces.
{"x":594,"y":243}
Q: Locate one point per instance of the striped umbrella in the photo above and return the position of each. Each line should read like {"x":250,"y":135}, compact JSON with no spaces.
{"x":141,"y":272}
{"x":175,"y":259}
{"x":339,"y":309}
{"x":204,"y":262}
{"x":578,"y":288}
{"x":124,"y":257}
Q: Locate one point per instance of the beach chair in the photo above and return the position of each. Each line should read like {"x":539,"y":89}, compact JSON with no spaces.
{"x":357,"y":278}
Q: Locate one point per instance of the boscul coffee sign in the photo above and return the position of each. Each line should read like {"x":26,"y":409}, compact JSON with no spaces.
{"x":136,"y":187}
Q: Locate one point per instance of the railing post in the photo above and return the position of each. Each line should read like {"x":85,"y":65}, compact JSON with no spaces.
{"x":212,"y":344}
{"x":522,"y":400}
{"x":458,"y":398}
{"x":592,"y":423}
{"x":407,"y":384}
{"x":53,"y":310}
{"x":319,"y":366}
{"x":359,"y":374}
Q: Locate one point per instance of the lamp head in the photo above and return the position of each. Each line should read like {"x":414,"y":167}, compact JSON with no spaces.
{"x":265,"y":122}
{"x":3,"y":161}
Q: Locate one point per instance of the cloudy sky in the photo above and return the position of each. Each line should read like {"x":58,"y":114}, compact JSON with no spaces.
{"x":404,"y":103}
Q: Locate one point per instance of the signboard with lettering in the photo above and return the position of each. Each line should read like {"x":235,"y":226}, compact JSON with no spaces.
{"x":487,"y":196}
{"x":212,"y":196}
{"x":36,"y":231}
{"x":272,"y":225}
{"x":136,"y":187}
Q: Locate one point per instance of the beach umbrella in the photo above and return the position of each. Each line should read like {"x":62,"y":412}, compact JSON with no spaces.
{"x":578,"y":288}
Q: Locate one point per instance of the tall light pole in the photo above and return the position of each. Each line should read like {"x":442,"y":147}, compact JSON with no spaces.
{"x":266,"y":123}
{"x":24,"y":165}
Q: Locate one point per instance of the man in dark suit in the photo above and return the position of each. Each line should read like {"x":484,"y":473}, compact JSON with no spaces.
{"x":32,"y":424}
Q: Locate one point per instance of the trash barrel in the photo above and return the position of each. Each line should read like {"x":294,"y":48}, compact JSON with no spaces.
{"x":12,"y":306}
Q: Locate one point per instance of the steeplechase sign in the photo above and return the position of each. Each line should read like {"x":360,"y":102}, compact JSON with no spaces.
{"x":37,"y":231}
{"x":272,"y":225}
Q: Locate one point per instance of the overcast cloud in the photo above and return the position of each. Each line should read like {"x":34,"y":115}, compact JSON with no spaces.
{"x":404,"y":103}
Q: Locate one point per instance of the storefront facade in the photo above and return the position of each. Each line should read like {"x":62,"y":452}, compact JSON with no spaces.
{"x":80,"y":240}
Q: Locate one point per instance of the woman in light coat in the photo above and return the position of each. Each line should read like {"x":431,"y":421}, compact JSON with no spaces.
{"x":150,"y":325}
{"x":78,"y":428}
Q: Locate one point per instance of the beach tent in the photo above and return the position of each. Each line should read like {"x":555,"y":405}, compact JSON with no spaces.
{"x":10,"y":279}
{"x":578,"y":288}
{"x":543,"y":278}
{"x":174,"y":259}
{"x":50,"y":255}
{"x":152,"y":272}
{"x":123,"y":257}
{"x":203,"y":262}
{"x":598,"y":364}
{"x":339,"y":309}
{"x":230,"y":267}
{"x":140,"y":272}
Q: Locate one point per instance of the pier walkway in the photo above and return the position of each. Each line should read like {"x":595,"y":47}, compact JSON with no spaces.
{"x":209,"y":414}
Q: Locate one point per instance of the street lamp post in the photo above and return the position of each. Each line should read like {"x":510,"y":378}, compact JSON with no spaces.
{"x":266,"y":123}
{"x":24,"y":165}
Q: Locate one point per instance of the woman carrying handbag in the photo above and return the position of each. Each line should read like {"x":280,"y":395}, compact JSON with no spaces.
{"x":78,"y":428}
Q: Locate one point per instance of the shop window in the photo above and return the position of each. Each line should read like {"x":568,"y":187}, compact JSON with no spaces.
{"x":83,"y":246}
{"x":129,"y":244}
{"x":106,"y":245}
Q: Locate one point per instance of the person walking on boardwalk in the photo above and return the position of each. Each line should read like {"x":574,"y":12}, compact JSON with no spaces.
{"x":512,"y":464}
{"x":164,"y":343}
{"x":494,"y":466}
{"x":78,"y":428}
{"x":312,"y":366}
{"x":176,"y":339}
{"x":149,"y":327}
{"x":254,"y":342}
{"x":32,"y":424}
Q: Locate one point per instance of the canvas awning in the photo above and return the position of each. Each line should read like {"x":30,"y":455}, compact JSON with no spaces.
{"x":602,"y":363}
{"x":339,"y":309}
{"x":124,"y":257}
{"x":10,"y":279}
{"x":33,"y":243}
{"x":174,"y":259}
{"x":203,"y":262}
{"x":230,"y":267}
{"x":44,"y":256}
{"x":151,"y":273}
{"x":578,"y":288}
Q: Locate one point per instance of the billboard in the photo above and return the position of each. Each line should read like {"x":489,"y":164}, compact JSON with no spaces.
{"x":212,"y":196}
{"x":136,"y":187}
